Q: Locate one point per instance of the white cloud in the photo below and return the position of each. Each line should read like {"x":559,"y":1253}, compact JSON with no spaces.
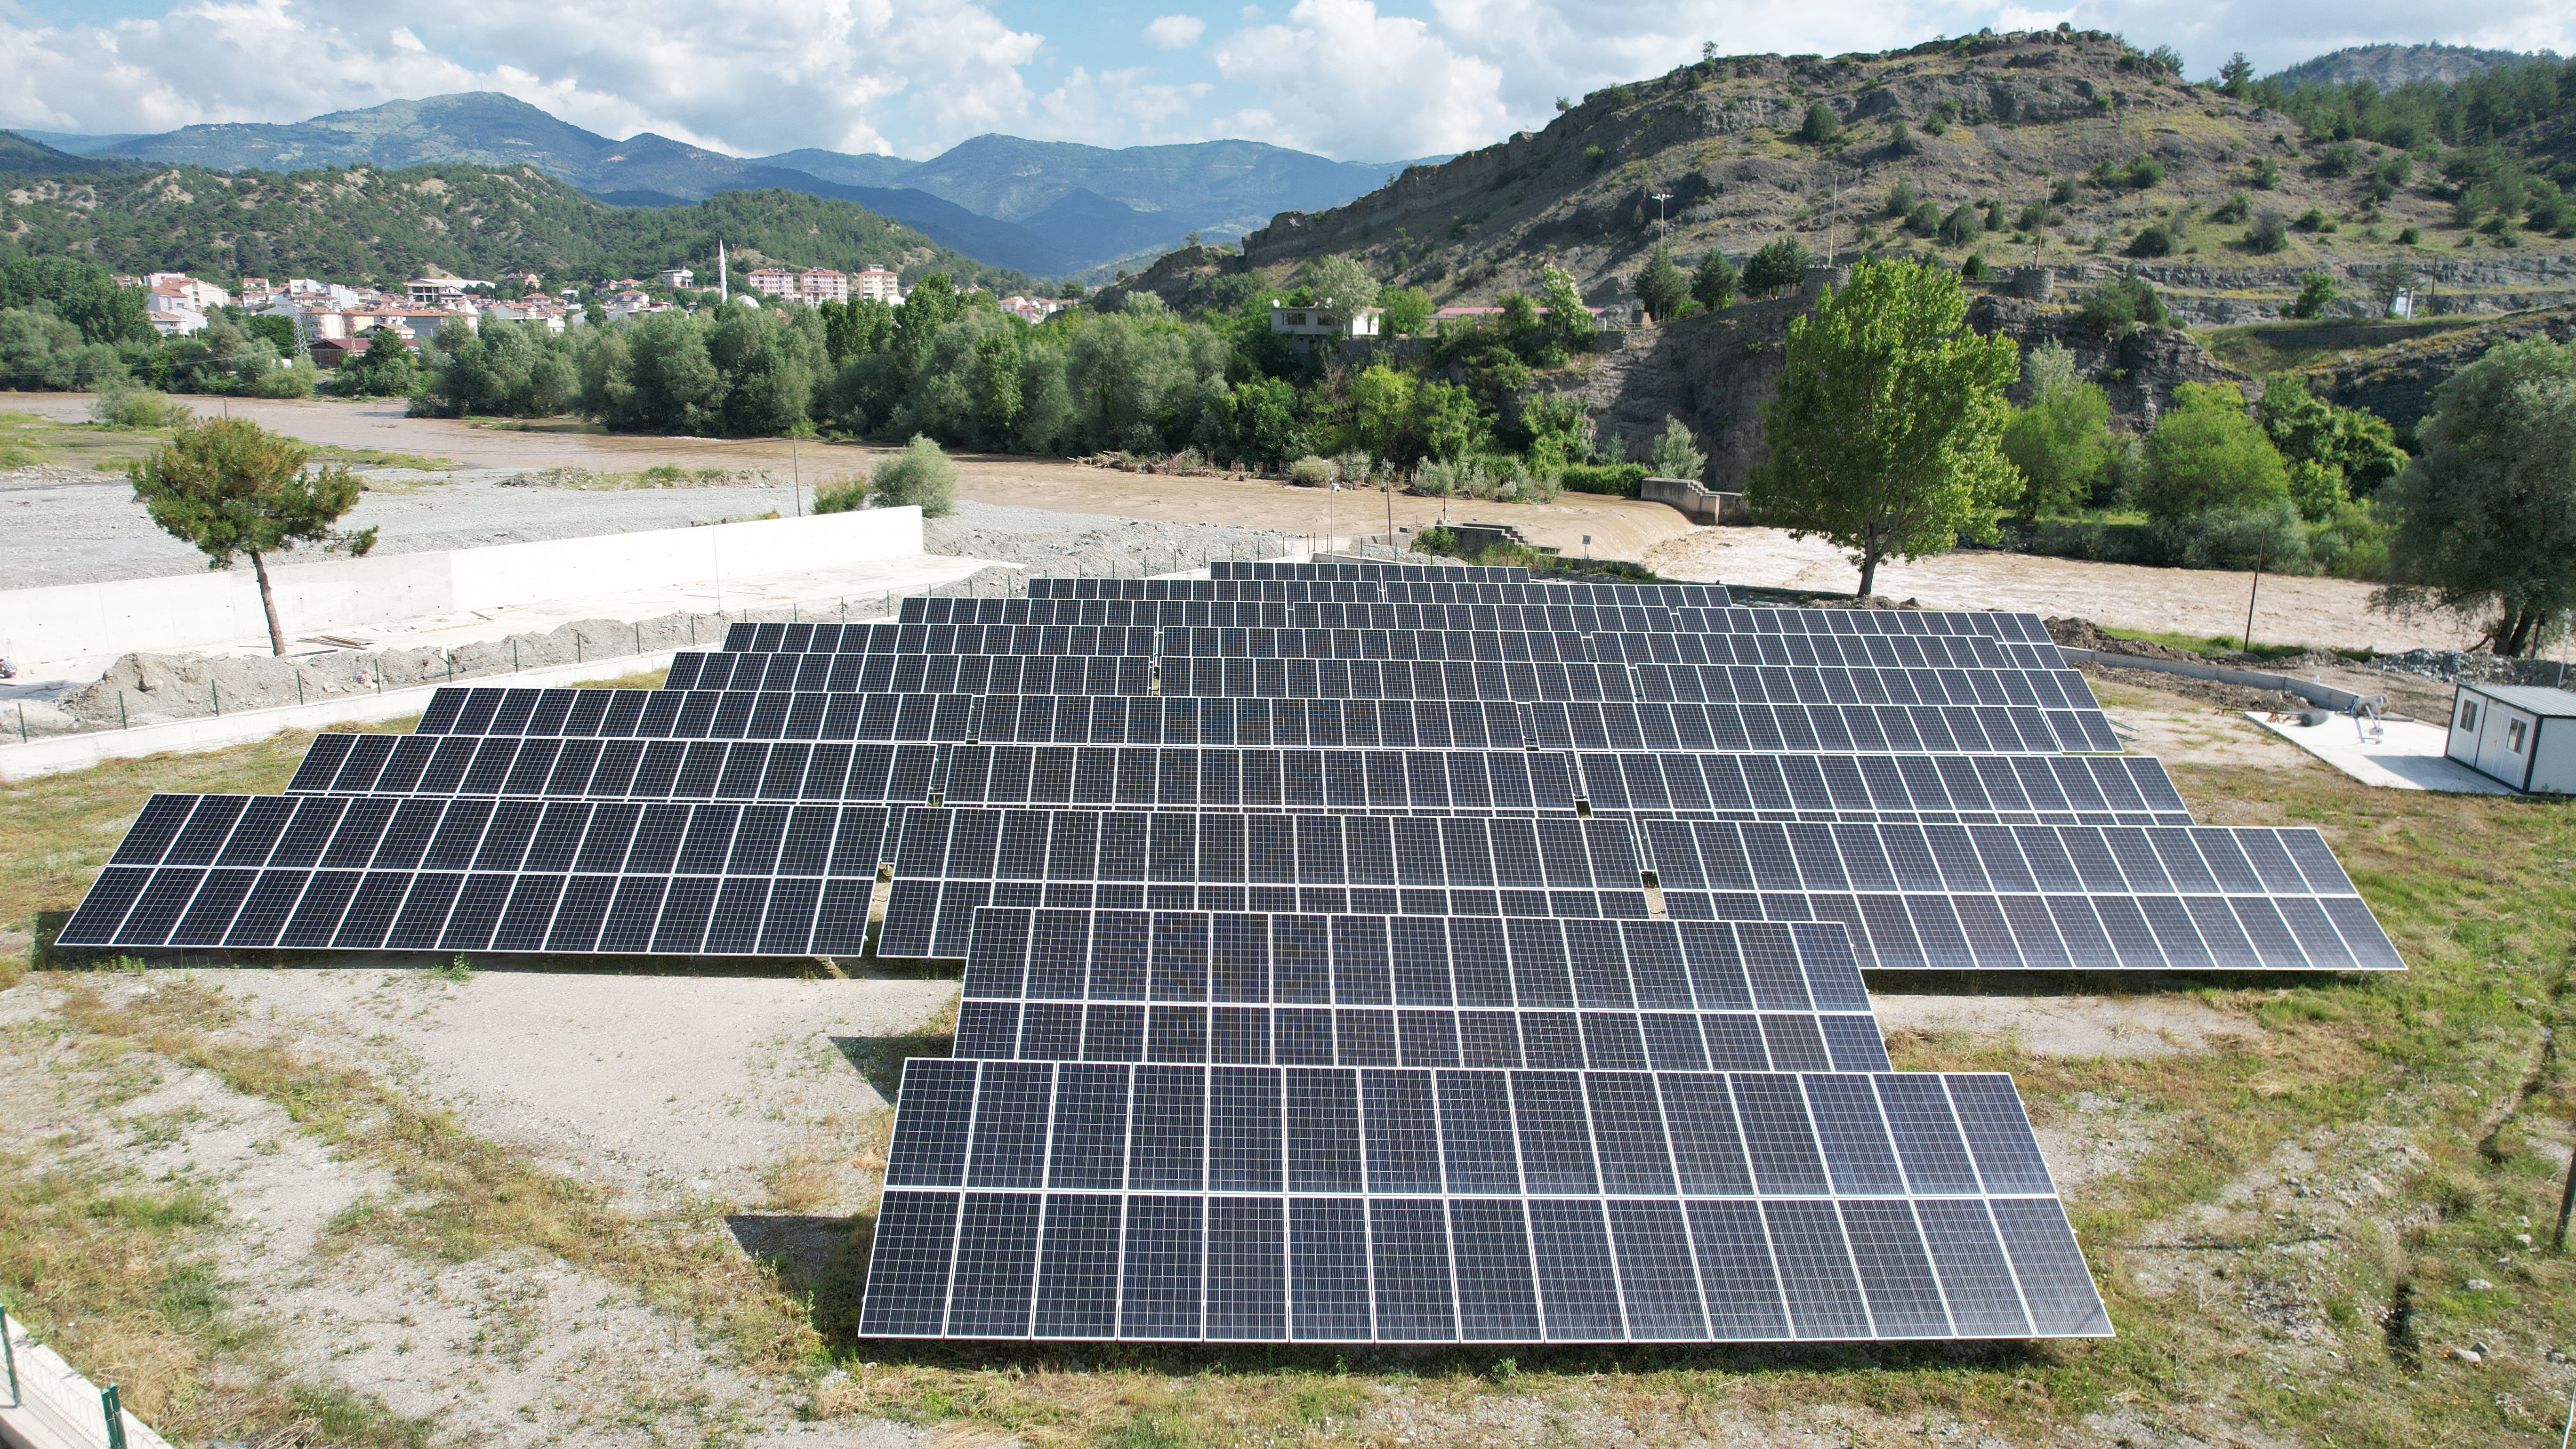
{"x":1347,"y":81}
{"x":1176,"y":32}
{"x":857,"y":75}
{"x":915,"y":76}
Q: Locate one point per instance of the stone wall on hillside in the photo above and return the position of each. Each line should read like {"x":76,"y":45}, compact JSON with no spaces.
{"x":2398,"y":384}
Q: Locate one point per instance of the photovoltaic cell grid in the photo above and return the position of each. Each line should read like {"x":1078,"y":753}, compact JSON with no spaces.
{"x":1912,"y":896}
{"x":1320,"y":1185}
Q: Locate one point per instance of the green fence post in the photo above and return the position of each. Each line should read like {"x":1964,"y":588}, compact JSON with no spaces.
{"x":299,"y":686}
{"x":115,"y":1410}
{"x":9,"y":1351}
{"x":121,"y":721}
{"x":514,"y":654}
{"x":212,"y":689}
{"x":22,"y":724}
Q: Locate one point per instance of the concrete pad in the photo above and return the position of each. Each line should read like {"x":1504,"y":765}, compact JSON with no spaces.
{"x":2408,"y":755}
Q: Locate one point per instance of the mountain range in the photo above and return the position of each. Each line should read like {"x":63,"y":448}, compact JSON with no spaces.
{"x":1041,"y":207}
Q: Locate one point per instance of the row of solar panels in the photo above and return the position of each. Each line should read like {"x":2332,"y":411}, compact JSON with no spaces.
{"x":981,"y":1265}
{"x":1365,"y":1036}
{"x":1662,"y":646}
{"x":1174,"y":719}
{"x":1728,"y":627}
{"x":2015,"y":789}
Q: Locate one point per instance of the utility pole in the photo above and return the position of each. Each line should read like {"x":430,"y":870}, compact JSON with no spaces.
{"x":1663,"y":232}
{"x":2250,"y":596}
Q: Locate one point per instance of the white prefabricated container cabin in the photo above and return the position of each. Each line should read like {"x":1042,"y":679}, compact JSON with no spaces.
{"x":2521,"y":734}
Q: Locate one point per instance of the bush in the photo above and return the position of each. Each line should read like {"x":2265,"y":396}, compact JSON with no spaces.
{"x":2269,"y":233}
{"x":2221,"y":538}
{"x":294,"y":381}
{"x":1961,"y":226}
{"x":1618,"y":480}
{"x":1820,"y":128}
{"x":1436,"y":478}
{"x":2410,"y":237}
{"x":921,"y":475}
{"x":1436,"y":540}
{"x":2351,"y":543}
{"x":1310,"y":472}
{"x":1780,"y":264}
{"x":2155,"y":241}
{"x":2234,"y":209}
{"x":1351,"y":467}
{"x":2339,"y":161}
{"x":1677,"y":453}
{"x":2145,"y":172}
{"x":1924,"y":219}
{"x":2266,"y":173}
{"x":1901,"y":197}
{"x":2208,"y":456}
{"x":2115,"y":307}
{"x":139,"y":408}
{"x":2316,"y":293}
{"x":2314,"y":220}
{"x":841,"y":493}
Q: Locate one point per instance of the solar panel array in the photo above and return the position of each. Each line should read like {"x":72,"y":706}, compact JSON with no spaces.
{"x":1244,"y":1127}
{"x":1355,"y":952}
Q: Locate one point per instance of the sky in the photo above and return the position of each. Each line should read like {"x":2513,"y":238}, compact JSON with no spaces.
{"x":1361,"y":80}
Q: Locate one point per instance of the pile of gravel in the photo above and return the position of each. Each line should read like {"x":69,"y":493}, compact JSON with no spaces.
{"x":2450,"y":666}
{"x":1054,"y":544}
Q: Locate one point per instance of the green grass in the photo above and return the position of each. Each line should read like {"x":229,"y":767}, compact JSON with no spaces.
{"x":661,"y":475}
{"x":381,"y":458}
{"x":2427,"y":1098}
{"x":2264,"y":348}
{"x":2225,"y":647}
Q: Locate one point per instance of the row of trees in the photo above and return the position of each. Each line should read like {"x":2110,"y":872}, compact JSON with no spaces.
{"x":1891,"y":437}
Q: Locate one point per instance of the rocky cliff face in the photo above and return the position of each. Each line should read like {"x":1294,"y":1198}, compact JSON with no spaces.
{"x":2398,"y":382}
{"x":1715,"y":372}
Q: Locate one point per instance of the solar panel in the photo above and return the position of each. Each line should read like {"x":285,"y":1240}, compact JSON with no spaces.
{"x":1913,"y":896}
{"x":1417,"y":1142}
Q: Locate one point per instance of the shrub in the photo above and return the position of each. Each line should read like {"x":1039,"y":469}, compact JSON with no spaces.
{"x":2034,"y":215}
{"x":1820,"y":128}
{"x":1310,"y":472}
{"x":2144,"y":173}
{"x":139,"y":408}
{"x":1924,"y":219}
{"x":2316,"y":292}
{"x":1351,"y":468}
{"x":2207,"y":456}
{"x":920,"y":475}
{"x":297,"y":380}
{"x":1436,"y":478}
{"x":841,"y":493}
{"x":2409,"y":237}
{"x":1436,"y":540}
{"x":2115,"y":307}
{"x":2314,"y":220}
{"x":2266,"y":173}
{"x":2062,"y":193}
{"x":1960,"y":227}
{"x":2235,"y":208}
{"x":1618,"y":480}
{"x":1901,"y":197}
{"x":1974,"y":268}
{"x":2339,"y":161}
{"x":1780,"y":264}
{"x":2220,"y":538}
{"x":2269,"y":233}
{"x":2155,"y":241}
{"x":1677,"y":453}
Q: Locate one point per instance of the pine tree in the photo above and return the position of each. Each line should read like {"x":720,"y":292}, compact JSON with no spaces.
{"x":1661,"y":286}
{"x":229,"y":486}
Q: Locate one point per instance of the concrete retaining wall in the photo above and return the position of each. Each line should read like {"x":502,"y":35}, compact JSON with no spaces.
{"x":56,"y":1407}
{"x":1699,"y":505}
{"x":2324,"y":696}
{"x":55,"y":754}
{"x":84,"y":622}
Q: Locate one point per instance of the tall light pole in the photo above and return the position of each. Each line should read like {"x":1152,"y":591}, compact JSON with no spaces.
{"x":1661,"y":230}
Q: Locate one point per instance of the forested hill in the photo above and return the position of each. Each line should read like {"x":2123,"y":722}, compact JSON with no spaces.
{"x":369,"y":225}
{"x":2073,"y":149}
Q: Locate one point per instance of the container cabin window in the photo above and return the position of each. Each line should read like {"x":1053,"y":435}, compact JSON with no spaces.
{"x":2468,"y":714}
{"x":2513,"y":737}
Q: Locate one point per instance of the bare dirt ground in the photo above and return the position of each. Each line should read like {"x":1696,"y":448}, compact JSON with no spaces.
{"x":2320,"y":612}
{"x":69,"y":527}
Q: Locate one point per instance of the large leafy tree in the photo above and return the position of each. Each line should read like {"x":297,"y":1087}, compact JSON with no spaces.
{"x":2062,"y":441}
{"x":1341,"y":284}
{"x":1713,"y":284}
{"x":231,"y":487}
{"x":1886,"y":437}
{"x":1779,"y":265}
{"x":2487,"y":511}
{"x":2206,"y":455}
